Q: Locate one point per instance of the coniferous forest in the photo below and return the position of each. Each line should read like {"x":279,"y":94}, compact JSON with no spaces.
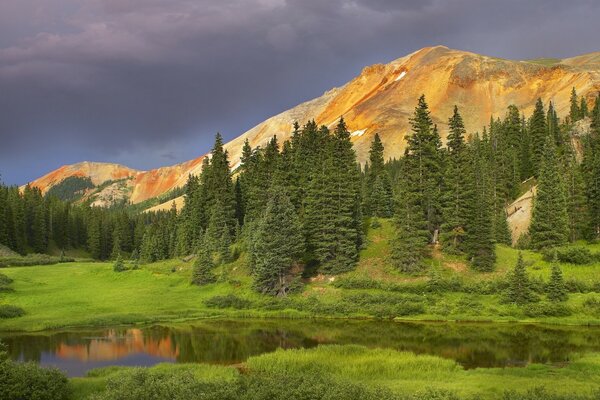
{"x":301,"y":206}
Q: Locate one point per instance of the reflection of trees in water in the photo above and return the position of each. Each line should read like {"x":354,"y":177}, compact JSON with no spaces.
{"x":228,"y":346}
{"x":472,"y":345}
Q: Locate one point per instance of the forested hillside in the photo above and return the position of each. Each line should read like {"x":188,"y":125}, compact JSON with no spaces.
{"x":299,"y":207}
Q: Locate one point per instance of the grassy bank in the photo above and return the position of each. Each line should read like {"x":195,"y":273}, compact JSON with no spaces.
{"x":91,"y":294}
{"x":329,"y":372}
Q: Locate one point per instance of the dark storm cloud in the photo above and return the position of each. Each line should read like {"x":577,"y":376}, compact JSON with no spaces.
{"x":148,"y":82}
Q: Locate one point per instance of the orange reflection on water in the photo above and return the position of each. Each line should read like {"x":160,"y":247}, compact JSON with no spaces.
{"x":117,"y":345}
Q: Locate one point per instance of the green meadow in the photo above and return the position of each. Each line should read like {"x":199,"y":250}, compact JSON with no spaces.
{"x":343,"y":372}
{"x":92,"y":294}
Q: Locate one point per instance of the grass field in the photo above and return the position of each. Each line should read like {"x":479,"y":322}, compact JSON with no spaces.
{"x":91,"y":294}
{"x":348,"y":369}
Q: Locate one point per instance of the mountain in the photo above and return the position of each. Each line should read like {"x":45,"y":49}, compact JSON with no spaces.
{"x":380,"y":99}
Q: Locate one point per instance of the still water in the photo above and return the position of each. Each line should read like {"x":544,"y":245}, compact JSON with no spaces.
{"x":232,"y":342}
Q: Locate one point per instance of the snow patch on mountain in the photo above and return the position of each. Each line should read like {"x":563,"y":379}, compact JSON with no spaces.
{"x":402,"y":74}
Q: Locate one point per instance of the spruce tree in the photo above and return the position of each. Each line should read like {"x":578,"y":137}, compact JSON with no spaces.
{"x":553,"y":125}
{"x":575,"y":112}
{"x":479,"y":242}
{"x":576,"y":200}
{"x":119,"y":266}
{"x":556,"y":289}
{"x":591,"y":173}
{"x":538,"y":133}
{"x":202,"y":272}
{"x":378,"y":193}
{"x":519,"y":289}
{"x":411,"y":236}
{"x":455,"y":193}
{"x":424,"y":166}
{"x":550,"y":218}
{"x":278,"y":244}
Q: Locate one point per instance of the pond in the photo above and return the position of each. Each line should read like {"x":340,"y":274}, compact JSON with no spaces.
{"x":231,"y":342}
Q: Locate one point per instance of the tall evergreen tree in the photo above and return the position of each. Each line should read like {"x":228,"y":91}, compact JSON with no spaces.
{"x":455,"y":194}
{"x":409,"y":243}
{"x":591,"y":172}
{"x":202,"y":272}
{"x":333,"y":210}
{"x":550,"y":219}
{"x":575,"y":112}
{"x":479,"y":243}
{"x":378,"y":192}
{"x":538,"y":133}
{"x":519,"y":289}
{"x":552,"y":124}
{"x":278,"y":244}
{"x":424,"y":165}
{"x":556,"y":289}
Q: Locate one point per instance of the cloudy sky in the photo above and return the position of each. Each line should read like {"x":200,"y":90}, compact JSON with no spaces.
{"x":148,"y":82}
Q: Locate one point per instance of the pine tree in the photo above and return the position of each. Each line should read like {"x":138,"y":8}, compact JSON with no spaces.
{"x":118,"y":266}
{"x":576,"y":200}
{"x":409,"y":243}
{"x":424,"y":165}
{"x":538,"y":133}
{"x":556,"y":289}
{"x":553,"y":125}
{"x":479,"y":241}
{"x":116,"y":249}
{"x":519,"y":287}
{"x":550,"y":219}
{"x":202,"y":272}
{"x":378,"y":193}
{"x":218,"y":238}
{"x":591,"y":173}
{"x":135,"y":258}
{"x":278,"y":244}
{"x":455,"y":194}
{"x":575,"y":112}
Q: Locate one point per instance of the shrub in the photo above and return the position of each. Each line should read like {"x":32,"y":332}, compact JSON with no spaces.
{"x":592,"y":305}
{"x":571,"y":255}
{"x":540,"y":393}
{"x":8,"y":311}
{"x":145,"y":384}
{"x":5,"y":280}
{"x":545,"y":309}
{"x":33,"y":259}
{"x":20,"y":381}
{"x":308,"y":385}
{"x":228,"y":301}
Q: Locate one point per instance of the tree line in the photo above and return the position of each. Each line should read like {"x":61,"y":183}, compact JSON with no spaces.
{"x":302,"y":204}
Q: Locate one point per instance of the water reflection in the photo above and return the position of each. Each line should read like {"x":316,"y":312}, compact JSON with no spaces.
{"x":231,"y":342}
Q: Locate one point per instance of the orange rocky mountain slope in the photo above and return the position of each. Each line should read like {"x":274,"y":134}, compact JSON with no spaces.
{"x":381,"y":99}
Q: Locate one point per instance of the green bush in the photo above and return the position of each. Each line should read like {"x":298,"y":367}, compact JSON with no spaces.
{"x":145,"y":384}
{"x":540,"y":393}
{"x":309,"y":385}
{"x":228,"y":301}
{"x":5,"y":280}
{"x":592,"y":306}
{"x":33,"y":259}
{"x":571,"y":255}
{"x":28,"y":381}
{"x":8,"y":311}
{"x":546,"y":309}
